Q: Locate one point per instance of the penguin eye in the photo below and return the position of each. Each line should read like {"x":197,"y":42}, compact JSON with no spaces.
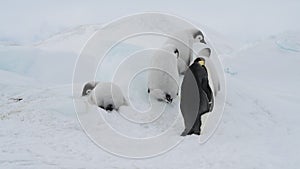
{"x":88,"y":91}
{"x":200,"y":37}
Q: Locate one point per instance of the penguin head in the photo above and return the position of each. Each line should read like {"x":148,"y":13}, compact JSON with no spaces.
{"x":200,"y":61}
{"x":161,"y":96}
{"x":199,"y":37}
{"x":171,"y":48}
{"x":88,"y":87}
{"x":168,"y":98}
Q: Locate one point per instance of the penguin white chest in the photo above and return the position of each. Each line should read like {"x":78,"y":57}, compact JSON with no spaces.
{"x":163,"y":77}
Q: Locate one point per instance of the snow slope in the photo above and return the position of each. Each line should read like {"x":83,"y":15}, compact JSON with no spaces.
{"x":259,"y":128}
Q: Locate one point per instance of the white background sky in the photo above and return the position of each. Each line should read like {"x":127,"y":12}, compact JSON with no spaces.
{"x":30,"y":21}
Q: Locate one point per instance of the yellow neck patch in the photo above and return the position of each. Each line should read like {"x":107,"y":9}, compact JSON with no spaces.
{"x":202,"y":62}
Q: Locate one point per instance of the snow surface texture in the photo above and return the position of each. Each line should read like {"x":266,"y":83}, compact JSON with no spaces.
{"x":259,"y":128}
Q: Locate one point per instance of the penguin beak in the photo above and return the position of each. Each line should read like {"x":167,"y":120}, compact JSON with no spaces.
{"x":203,"y":41}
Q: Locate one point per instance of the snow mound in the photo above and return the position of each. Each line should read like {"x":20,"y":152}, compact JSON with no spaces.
{"x":259,"y":129}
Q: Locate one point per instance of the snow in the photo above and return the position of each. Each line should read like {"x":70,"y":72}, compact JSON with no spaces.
{"x":259,"y":128}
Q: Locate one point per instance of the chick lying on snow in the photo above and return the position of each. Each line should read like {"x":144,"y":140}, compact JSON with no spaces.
{"x":105,"y":95}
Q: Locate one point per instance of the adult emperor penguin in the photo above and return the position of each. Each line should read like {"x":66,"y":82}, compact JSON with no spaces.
{"x":196,"y":96}
{"x":184,"y":41}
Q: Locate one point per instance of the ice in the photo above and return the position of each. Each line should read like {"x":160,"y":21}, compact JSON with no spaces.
{"x":259,"y":128}
{"x":289,"y":42}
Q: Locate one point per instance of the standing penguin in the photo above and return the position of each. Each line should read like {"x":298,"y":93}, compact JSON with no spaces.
{"x":187,"y":38}
{"x":196,"y":96}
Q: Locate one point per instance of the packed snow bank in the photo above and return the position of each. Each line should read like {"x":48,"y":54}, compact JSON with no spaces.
{"x":71,"y":40}
{"x":50,"y":61}
{"x":289,"y":41}
{"x":43,"y":66}
{"x":266,"y":65}
{"x":259,"y":129}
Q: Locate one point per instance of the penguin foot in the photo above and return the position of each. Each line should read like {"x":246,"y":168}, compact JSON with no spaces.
{"x":197,"y":132}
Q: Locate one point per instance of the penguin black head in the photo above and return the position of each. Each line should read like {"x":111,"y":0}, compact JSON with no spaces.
{"x":88,"y":87}
{"x":200,"y":61}
{"x":199,"y":37}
